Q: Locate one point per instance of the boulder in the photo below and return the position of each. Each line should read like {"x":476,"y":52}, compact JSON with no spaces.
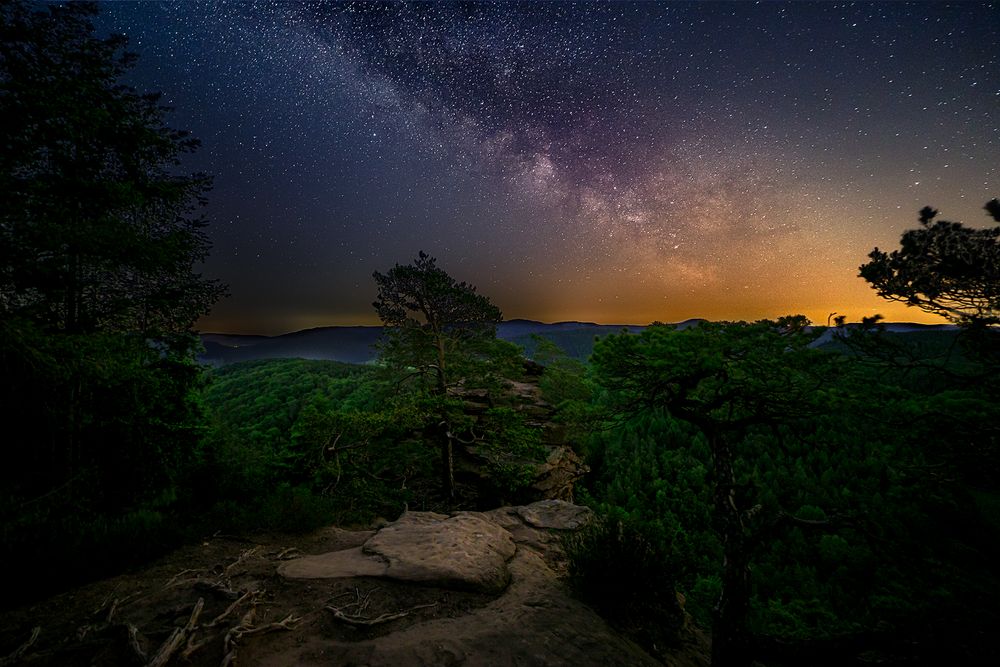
{"x":345,"y":563}
{"x":462,"y":552}
{"x":557,"y":476}
{"x":555,"y":514}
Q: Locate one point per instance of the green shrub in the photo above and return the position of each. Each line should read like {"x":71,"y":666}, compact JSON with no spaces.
{"x":512,"y":449}
{"x":73,"y":548}
{"x":702,"y":598}
{"x":620,"y":572}
{"x":295,"y":509}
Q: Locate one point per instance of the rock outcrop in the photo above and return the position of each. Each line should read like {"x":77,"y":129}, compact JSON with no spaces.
{"x":471,"y":589}
{"x":554,"y":477}
{"x":531,"y":621}
{"x":461,"y":552}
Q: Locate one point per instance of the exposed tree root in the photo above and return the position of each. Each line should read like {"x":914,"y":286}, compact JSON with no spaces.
{"x":19,"y":652}
{"x":174,"y":579}
{"x":231,"y":608}
{"x":113,"y":606}
{"x":227,"y":573}
{"x":247,"y":628}
{"x":286,"y":623}
{"x":104,"y":603}
{"x":133,"y":642}
{"x":111,"y":611}
{"x":192,"y":646}
{"x":286,"y":554}
{"x":109,"y":623}
{"x":177,"y":638}
{"x":382,"y":618}
{"x":360,"y":603}
{"x":357,"y":618}
{"x":217,"y":588}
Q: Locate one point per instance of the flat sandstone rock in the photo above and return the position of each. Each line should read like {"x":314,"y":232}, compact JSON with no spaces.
{"x":555,"y":514}
{"x":334,"y":564}
{"x":465,"y":552}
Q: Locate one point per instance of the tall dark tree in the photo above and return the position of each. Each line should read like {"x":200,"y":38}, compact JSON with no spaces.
{"x":98,"y":226}
{"x":433,"y":322}
{"x":100,"y":240}
{"x":729,"y":381}
{"x":951,"y":270}
{"x":440,"y":332}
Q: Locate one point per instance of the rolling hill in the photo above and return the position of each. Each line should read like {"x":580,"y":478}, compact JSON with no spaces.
{"x":356,"y":344}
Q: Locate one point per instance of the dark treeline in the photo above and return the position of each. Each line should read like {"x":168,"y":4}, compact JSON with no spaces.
{"x":831,"y":504}
{"x":99,"y":237}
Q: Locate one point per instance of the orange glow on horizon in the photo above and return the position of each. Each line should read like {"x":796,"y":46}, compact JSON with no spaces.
{"x":818,"y":314}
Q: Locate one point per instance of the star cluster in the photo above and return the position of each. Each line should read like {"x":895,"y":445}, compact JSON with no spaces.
{"x":617,"y":162}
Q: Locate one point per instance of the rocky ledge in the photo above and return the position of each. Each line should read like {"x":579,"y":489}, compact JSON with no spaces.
{"x":513,"y":553}
{"x":470,"y":588}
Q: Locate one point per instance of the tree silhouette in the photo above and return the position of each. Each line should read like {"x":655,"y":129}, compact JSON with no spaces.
{"x":953,"y":271}
{"x":98,"y":228}
{"x":944,"y":268}
{"x":432,"y":321}
{"x":99,"y":243}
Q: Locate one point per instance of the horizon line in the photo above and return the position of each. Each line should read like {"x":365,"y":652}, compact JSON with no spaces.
{"x":583,"y":322}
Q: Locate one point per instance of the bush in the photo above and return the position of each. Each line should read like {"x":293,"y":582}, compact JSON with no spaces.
{"x":72,"y":548}
{"x":295,"y":509}
{"x":620,"y":572}
{"x":512,"y":450}
{"x":284,"y":508}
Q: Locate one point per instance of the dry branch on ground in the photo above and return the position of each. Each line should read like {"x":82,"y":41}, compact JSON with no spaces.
{"x":360,"y":605}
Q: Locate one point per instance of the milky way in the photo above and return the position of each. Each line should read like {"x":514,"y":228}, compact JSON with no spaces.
{"x":613,"y":162}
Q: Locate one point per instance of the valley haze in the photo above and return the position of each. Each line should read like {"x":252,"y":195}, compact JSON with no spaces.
{"x":356,"y":344}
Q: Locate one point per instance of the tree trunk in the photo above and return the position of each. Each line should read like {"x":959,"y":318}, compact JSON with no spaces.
{"x":72,"y":316}
{"x":447,"y":447}
{"x":449,"y":467}
{"x":442,"y":386}
{"x":730,"y":639}
{"x":443,"y":435}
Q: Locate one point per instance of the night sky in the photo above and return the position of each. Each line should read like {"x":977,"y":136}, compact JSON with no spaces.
{"x":618,"y":163}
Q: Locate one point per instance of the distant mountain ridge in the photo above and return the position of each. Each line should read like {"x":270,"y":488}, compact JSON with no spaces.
{"x":356,"y":344}
{"x":352,"y":344}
